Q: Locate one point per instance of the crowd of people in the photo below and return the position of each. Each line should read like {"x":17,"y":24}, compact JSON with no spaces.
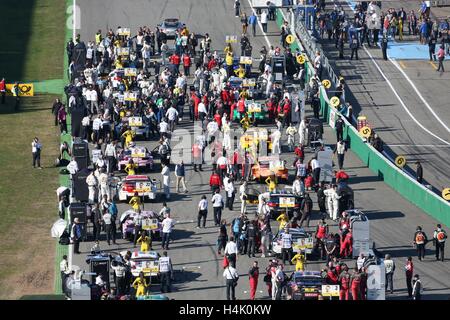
{"x":157,"y":92}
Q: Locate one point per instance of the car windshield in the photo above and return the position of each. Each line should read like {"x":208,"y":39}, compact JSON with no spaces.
{"x":170,"y":23}
{"x":308,"y":280}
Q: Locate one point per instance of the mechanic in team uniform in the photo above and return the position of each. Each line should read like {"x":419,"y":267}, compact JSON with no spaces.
{"x":420,"y":240}
{"x":439,"y":237}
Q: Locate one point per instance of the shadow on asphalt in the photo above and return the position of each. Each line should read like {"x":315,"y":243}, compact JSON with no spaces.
{"x":373,"y":215}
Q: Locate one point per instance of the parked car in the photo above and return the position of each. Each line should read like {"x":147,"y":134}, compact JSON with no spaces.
{"x":142,"y":184}
{"x":140,"y":155}
{"x":305,"y":285}
{"x":169,"y":26}
{"x":302,"y":240}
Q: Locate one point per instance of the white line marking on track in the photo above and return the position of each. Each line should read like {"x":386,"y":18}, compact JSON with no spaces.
{"x":397,"y":95}
{"x":394,"y":62}
{"x":259,"y":23}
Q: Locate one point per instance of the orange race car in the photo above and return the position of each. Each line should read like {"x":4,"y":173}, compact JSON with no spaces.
{"x":267,"y":166}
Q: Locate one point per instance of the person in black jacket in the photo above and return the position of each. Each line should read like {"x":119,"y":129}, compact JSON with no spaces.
{"x":306,"y":208}
{"x":321,"y":199}
{"x":419,"y":172}
{"x":420,"y":241}
{"x":251,"y":238}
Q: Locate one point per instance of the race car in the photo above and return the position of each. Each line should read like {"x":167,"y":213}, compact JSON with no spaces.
{"x":142,"y":184}
{"x":301,"y":239}
{"x":150,"y":222}
{"x":136,"y":125}
{"x":256,"y":111}
{"x":282,"y":201}
{"x":140,"y":155}
{"x":267,"y":166}
{"x":147,"y":262}
{"x":170,"y":26}
{"x":305,"y":285}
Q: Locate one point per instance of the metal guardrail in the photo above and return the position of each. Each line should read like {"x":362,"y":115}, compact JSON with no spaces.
{"x":311,"y":46}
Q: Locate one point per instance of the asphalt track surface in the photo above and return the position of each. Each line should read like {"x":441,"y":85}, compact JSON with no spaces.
{"x":371,"y":95}
{"x":198,"y":268}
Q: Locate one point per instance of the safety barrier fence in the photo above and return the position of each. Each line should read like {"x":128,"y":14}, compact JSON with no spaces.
{"x":409,"y":188}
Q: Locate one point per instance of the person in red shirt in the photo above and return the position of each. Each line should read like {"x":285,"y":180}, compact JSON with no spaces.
{"x":187,"y":64}
{"x":197,"y":156}
{"x":409,"y":271}
{"x":195,"y":100}
{"x":271,"y":108}
{"x":253,"y":275}
{"x":341,"y":175}
{"x":175,"y":59}
{"x":287,"y":112}
{"x":212,"y":64}
{"x":346,"y":244}
{"x":225,"y":96}
{"x":215,"y":181}
{"x":3,"y":90}
{"x":241,"y":107}
{"x":233,"y":106}
{"x":218,"y":119}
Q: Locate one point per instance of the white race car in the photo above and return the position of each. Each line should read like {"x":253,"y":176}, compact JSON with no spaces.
{"x":142,"y":184}
{"x":147,"y":262}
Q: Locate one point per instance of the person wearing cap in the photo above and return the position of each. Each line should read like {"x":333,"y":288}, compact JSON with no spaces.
{"x":76,"y":234}
{"x":439,"y":237}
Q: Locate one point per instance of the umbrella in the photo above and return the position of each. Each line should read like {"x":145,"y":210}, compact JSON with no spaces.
{"x":125,"y":215}
{"x":58,"y":228}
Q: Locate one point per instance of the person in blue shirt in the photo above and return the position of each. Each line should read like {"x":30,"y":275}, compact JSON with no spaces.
{"x":252,"y":20}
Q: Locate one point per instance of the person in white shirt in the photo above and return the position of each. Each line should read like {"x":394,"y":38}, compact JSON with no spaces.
{"x":65,"y":271}
{"x":291,"y":131}
{"x":276,"y":147}
{"x":229,"y":189}
{"x":91,"y":181}
{"x":231,"y":252}
{"x":96,"y":127}
{"x":263,"y":20}
{"x":332,"y":202}
{"x":93,"y":99}
{"x":111,"y":155}
{"x":217,"y":201}
{"x":165,"y":272}
{"x":277,"y":281}
{"x":302,"y":132}
{"x":222,"y":163}
{"x":202,"y":112}
{"x":85,"y":128}
{"x":202,"y":211}
{"x":231,"y":276}
{"x":72,"y":167}
{"x":163,"y":127}
{"x":103,"y":180}
{"x":172,"y":115}
{"x":212,"y":129}
{"x":167,"y":227}
{"x":315,"y":166}
{"x":165,"y":172}
{"x":110,"y":229}
{"x":389,"y":267}
{"x":298,"y":187}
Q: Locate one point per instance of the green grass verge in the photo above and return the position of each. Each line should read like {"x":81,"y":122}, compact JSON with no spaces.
{"x":32,"y":49}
